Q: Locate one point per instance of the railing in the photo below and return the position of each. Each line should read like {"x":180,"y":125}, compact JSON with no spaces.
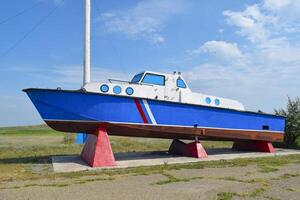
{"x":121,"y":81}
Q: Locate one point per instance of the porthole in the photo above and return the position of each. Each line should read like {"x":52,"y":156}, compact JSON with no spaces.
{"x":217,"y":102}
{"x":207,"y":100}
{"x":129,"y":91}
{"x":104,"y":88}
{"x":117,"y":89}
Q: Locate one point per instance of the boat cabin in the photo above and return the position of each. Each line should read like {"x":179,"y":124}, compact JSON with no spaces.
{"x":160,"y":86}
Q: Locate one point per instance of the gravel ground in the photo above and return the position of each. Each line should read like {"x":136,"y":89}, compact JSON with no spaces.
{"x":210,"y":183}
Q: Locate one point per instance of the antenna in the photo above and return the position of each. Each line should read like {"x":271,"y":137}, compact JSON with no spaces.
{"x":87,"y":44}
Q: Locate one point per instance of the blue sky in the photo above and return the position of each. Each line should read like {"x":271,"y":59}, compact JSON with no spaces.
{"x":245,"y":50}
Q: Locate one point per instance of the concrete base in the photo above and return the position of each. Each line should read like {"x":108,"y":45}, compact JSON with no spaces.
{"x":194,"y":149}
{"x":260,"y":146}
{"x":97,"y":150}
{"x":124,"y":160}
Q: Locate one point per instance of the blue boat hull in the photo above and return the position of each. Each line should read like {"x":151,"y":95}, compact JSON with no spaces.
{"x":72,"y":108}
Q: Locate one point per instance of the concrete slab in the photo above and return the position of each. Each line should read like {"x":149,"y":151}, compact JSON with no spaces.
{"x":138,"y":159}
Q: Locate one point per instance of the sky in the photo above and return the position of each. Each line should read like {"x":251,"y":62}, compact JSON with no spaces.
{"x":245,"y":50}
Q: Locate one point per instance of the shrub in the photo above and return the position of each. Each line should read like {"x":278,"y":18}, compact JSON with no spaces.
{"x":69,"y":138}
{"x":292,"y":128}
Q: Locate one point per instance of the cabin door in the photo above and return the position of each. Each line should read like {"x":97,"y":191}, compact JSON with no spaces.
{"x":170,"y":89}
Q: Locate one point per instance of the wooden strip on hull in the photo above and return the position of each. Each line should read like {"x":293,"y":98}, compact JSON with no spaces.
{"x":168,"y":132}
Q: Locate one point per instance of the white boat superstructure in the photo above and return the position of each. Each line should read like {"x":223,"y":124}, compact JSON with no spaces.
{"x":149,"y":85}
{"x":161,"y":86}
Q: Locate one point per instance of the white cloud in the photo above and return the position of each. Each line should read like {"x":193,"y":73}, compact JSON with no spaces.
{"x":276,"y":4}
{"x":251,"y":23}
{"x":145,"y":20}
{"x":221,"y":49}
{"x":270,"y":66}
{"x":286,"y":12}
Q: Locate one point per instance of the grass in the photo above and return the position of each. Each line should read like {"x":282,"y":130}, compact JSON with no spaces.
{"x":77,"y":182}
{"x":229,"y":195}
{"x":172,"y":179}
{"x":291,"y":190}
{"x":267,"y":169}
{"x":271,"y":198}
{"x":39,"y":130}
{"x":225,"y":195}
{"x":262,"y":182}
{"x":286,"y":176}
{"x":25,"y":154}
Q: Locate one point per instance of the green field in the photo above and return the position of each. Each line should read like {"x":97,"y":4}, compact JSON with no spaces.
{"x":25,"y":163}
{"x":25,"y":152}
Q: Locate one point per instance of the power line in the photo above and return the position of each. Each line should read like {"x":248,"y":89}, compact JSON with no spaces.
{"x":20,"y":13}
{"x":32,"y":29}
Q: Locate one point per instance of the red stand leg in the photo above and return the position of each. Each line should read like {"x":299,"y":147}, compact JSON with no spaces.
{"x":260,"y":146}
{"x":194,"y":149}
{"x":97,"y":151}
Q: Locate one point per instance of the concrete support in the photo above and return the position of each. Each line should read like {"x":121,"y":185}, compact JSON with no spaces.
{"x":97,"y":151}
{"x":260,"y":146}
{"x":194,"y":149}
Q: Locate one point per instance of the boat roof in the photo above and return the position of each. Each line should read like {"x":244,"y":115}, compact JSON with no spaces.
{"x":153,"y":72}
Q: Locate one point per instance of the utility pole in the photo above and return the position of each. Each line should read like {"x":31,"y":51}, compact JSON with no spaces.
{"x":87,"y":44}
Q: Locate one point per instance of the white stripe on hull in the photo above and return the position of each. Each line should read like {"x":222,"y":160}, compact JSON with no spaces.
{"x":145,"y":102}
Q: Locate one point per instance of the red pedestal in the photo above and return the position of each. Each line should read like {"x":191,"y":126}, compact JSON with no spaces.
{"x":97,"y":151}
{"x":260,"y":146}
{"x":194,"y":149}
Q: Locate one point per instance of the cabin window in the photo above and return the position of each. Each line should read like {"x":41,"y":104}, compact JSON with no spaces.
{"x":217,"y":102}
{"x":104,"y":88}
{"x":129,"y":90}
{"x":154,"y":79}
{"x":180,"y":83}
{"x":208,"y":100}
{"x":137,"y":78}
{"x":117,"y":89}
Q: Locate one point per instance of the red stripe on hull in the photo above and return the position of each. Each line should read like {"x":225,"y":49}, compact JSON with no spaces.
{"x":139,"y":107}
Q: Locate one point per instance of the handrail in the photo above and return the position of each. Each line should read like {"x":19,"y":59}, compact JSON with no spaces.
{"x":115,"y":80}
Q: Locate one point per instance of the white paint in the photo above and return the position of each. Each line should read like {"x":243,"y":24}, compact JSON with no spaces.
{"x":149,"y":111}
{"x":169,"y":92}
{"x":87,"y":44}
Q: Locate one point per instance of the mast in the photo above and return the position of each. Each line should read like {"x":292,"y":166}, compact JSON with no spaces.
{"x":87,"y":44}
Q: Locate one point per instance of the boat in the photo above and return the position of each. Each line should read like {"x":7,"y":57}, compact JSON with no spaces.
{"x":151,"y":104}
{"x":155,"y":105}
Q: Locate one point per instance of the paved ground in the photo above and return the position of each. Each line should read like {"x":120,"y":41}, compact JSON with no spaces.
{"x":247,"y":182}
{"x":74,"y":163}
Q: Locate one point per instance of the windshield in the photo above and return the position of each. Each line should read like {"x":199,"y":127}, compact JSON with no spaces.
{"x":137,"y":78}
{"x":154,"y":79}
